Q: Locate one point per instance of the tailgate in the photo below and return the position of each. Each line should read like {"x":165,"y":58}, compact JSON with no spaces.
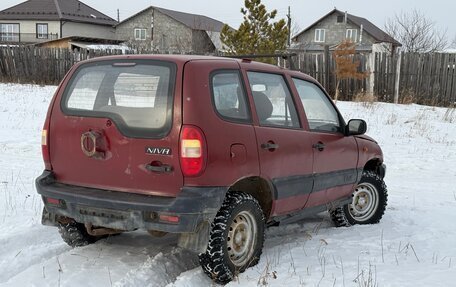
{"x":114,"y":127}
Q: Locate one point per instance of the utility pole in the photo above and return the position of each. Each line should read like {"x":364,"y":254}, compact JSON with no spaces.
{"x":118,"y":15}
{"x":289,"y":26}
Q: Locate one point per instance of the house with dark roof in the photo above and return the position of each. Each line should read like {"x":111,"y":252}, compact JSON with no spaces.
{"x":167,"y":31}
{"x":36,"y":21}
{"x":337,"y":26}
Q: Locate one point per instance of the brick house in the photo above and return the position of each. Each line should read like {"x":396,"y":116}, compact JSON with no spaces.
{"x":37,"y":21}
{"x":167,"y":31}
{"x":337,"y":26}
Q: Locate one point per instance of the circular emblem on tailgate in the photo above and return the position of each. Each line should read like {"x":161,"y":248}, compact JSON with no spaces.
{"x":89,"y":144}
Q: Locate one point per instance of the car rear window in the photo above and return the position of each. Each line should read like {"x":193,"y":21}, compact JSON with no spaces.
{"x":136,"y":95}
{"x":229,"y":97}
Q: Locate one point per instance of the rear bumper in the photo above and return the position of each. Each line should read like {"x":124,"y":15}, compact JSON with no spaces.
{"x":128,"y":211}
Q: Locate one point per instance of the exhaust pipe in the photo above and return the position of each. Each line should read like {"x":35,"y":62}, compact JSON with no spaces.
{"x":101,"y":231}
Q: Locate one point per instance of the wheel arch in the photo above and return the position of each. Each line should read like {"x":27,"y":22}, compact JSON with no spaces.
{"x":375,"y":165}
{"x":260,"y":188}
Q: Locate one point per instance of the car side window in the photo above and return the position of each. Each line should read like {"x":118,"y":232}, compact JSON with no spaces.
{"x":229,"y":97}
{"x":273,"y":102}
{"x":321,"y":114}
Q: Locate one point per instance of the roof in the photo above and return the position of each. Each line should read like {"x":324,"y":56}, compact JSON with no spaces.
{"x":315,"y":47}
{"x":193,"y":21}
{"x":69,"y":10}
{"x":82,"y":40}
{"x":378,"y":34}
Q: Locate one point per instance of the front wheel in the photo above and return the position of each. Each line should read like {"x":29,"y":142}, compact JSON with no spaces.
{"x":236,"y":238}
{"x":368,"y":205}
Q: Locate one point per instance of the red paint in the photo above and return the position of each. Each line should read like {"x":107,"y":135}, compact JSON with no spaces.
{"x":225,"y":152}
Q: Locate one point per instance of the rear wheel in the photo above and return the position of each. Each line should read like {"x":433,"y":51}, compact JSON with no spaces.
{"x":368,"y":205}
{"x":75,"y":234}
{"x":236,"y":238}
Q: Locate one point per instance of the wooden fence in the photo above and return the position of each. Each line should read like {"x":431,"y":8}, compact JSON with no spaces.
{"x":428,"y":78}
{"x":323,"y":70}
{"x":406,"y":77}
{"x":44,"y":66}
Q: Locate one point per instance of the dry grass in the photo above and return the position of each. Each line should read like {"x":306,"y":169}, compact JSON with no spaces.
{"x":367,"y":100}
{"x":450,"y":114}
{"x":391,"y":120}
{"x":407,"y":97}
{"x":421,"y":124}
{"x":367,"y":278}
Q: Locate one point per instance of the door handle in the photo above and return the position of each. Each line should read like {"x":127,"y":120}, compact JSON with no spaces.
{"x":319,"y":146}
{"x":160,"y":168}
{"x":270,"y":146}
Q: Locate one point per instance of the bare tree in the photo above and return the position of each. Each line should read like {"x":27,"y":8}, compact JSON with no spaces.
{"x":295,"y":28}
{"x":453,"y":43}
{"x":416,"y":32}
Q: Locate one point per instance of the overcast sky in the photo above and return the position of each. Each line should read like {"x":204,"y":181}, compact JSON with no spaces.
{"x":303,"y":12}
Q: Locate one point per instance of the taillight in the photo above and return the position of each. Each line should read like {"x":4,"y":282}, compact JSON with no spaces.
{"x":169,"y":218}
{"x":192,"y":151}
{"x":45,"y":148}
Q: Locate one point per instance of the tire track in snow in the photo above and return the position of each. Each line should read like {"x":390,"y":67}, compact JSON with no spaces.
{"x":160,"y":270}
{"x":22,"y":251}
{"x":131,"y":259}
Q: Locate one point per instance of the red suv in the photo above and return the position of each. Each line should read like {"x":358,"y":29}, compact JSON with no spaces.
{"x":214,"y":149}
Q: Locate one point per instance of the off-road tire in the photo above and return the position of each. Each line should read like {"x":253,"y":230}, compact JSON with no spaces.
{"x":216,"y":261}
{"x":373,"y":183}
{"x":75,"y":234}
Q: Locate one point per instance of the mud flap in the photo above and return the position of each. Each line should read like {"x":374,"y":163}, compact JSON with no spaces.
{"x":49,"y":219}
{"x":196,"y":241}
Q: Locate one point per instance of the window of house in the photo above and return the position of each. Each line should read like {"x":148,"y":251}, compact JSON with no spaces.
{"x":352,"y":35}
{"x":9,"y":32}
{"x":320,"y":35}
{"x":41,"y":31}
{"x":340,"y":19}
{"x":273,"y":102}
{"x":140,"y":34}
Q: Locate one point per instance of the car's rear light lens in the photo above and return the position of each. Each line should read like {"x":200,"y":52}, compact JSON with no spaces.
{"x":169,"y":218}
{"x":56,"y":202}
{"x":53,"y":201}
{"x":45,"y":149}
{"x":44,"y":137}
{"x":192,"y":151}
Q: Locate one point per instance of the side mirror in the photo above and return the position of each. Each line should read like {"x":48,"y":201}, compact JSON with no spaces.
{"x":356,"y":127}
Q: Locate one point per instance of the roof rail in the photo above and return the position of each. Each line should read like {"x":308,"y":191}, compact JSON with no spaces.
{"x":285,"y":56}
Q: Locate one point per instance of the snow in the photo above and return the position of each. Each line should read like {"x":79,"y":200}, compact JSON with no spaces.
{"x":414,"y":245}
{"x":108,"y":47}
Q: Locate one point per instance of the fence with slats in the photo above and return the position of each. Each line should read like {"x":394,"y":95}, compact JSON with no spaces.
{"x":35,"y":65}
{"x":431,"y":78}
{"x":428,"y":78}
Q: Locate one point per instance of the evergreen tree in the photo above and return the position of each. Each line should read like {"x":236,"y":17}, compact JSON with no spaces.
{"x":258,"y":34}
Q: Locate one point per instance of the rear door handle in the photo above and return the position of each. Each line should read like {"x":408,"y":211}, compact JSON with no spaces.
{"x":164,"y":168}
{"x":271,"y":146}
{"x":319,"y":146}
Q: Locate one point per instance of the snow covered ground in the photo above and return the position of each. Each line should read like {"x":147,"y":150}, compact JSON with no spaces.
{"x":414,"y":245}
